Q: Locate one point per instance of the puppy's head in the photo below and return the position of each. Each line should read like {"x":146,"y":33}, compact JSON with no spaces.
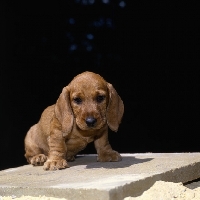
{"x":90,"y":102}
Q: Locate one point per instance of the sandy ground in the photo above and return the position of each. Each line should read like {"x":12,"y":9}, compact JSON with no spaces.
{"x":31,"y":198}
{"x":168,"y":191}
{"x":159,"y":191}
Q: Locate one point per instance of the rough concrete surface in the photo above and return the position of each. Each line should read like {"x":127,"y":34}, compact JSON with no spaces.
{"x":91,"y":180}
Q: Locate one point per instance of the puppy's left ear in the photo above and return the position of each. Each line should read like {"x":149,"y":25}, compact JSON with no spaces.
{"x":115,"y":109}
{"x":63,"y":111}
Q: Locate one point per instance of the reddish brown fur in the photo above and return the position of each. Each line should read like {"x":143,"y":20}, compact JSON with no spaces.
{"x":62,"y":130}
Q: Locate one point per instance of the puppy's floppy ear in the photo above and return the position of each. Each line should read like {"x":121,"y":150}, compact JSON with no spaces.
{"x":115,"y":109}
{"x":63,"y":111}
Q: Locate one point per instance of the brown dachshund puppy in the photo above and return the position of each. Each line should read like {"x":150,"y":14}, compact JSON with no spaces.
{"x":82,"y":114}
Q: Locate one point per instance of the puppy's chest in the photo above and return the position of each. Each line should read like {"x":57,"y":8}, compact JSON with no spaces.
{"x":77,"y":140}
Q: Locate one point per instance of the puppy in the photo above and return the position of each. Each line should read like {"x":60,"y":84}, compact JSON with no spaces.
{"x":82,"y":114}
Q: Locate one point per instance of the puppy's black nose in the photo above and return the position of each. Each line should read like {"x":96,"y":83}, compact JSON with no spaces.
{"x":90,"y":121}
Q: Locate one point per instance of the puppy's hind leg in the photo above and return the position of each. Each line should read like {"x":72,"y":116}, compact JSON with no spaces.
{"x":34,"y":147}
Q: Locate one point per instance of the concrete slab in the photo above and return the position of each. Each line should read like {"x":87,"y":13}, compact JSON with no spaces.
{"x":91,"y":180}
{"x":193,"y":185}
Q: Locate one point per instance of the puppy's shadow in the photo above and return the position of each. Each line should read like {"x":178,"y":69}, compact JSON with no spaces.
{"x":90,"y":162}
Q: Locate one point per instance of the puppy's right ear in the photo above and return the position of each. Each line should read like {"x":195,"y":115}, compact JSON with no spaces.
{"x":63,"y":111}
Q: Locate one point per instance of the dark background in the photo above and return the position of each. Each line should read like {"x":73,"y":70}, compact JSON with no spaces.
{"x":148,"y":50}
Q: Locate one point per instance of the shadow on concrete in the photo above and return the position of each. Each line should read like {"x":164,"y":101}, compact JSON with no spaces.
{"x":125,"y":162}
{"x":92,"y":163}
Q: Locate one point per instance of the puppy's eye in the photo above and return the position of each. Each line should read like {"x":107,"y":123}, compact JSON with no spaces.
{"x":100,"y":98}
{"x":78,"y":100}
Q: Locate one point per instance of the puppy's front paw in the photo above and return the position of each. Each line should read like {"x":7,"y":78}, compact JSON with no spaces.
{"x":38,"y":160}
{"x":55,"y":164}
{"x":109,"y":156}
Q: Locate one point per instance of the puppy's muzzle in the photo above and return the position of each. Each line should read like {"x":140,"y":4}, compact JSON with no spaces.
{"x":90,"y":121}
